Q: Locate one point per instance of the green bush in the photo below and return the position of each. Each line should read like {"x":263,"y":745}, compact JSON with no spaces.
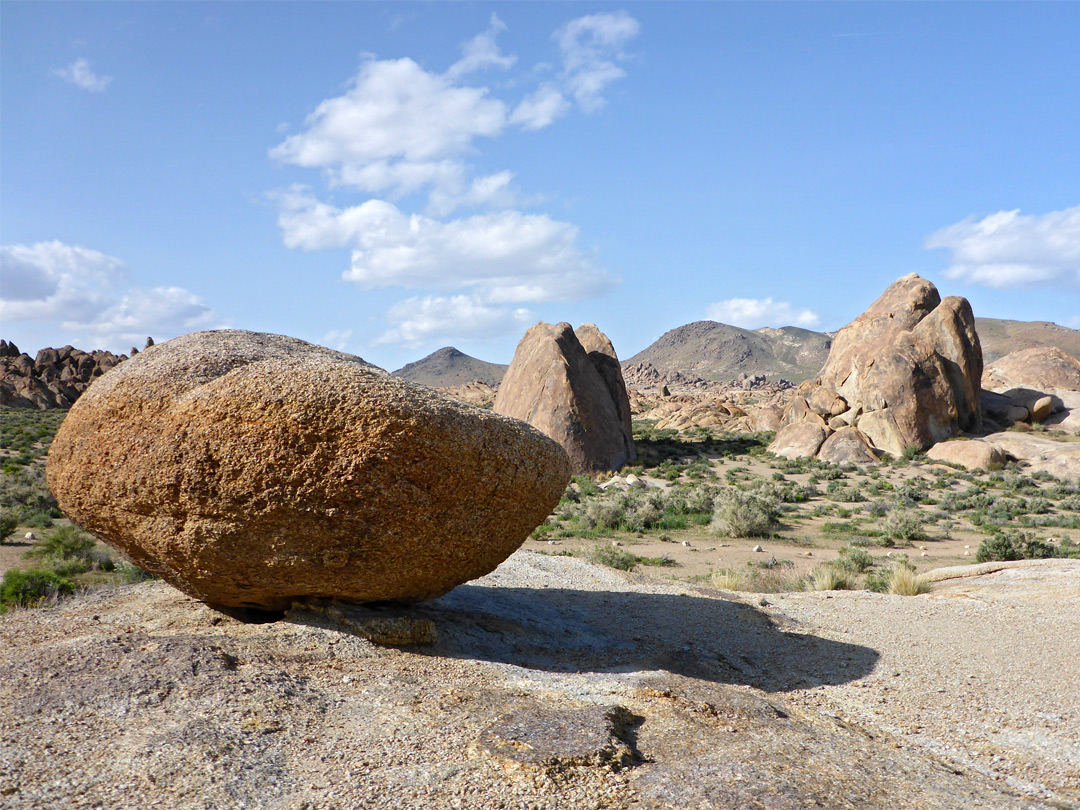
{"x":854,"y":560}
{"x":902,"y":524}
{"x":8,"y":523}
{"x":67,"y":542}
{"x":745,"y":514}
{"x":27,"y":587}
{"x":1005,"y":546}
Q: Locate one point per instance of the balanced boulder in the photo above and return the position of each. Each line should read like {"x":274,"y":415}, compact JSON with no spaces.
{"x":570,"y":386}
{"x":250,"y":470}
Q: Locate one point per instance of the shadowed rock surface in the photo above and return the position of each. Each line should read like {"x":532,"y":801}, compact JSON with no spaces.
{"x":250,"y":470}
{"x":448,"y":368}
{"x":572,"y":394}
{"x":553,"y":684}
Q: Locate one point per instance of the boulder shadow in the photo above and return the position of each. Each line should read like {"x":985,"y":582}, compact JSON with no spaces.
{"x":566,"y":630}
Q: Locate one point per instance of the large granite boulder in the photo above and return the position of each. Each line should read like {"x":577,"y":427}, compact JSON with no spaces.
{"x":570,"y":386}
{"x":250,"y":470}
{"x":905,"y":372}
{"x":1039,"y":368}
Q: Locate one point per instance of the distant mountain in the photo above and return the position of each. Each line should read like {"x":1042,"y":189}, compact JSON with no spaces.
{"x":999,"y":338}
{"x":716,"y":351}
{"x":448,"y":367}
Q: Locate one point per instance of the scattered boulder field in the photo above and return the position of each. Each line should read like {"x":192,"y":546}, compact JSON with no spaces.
{"x":253,"y":470}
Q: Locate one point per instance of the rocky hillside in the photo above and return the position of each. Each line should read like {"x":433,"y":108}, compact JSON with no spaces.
{"x":716,"y":351}
{"x":448,"y":367}
{"x":53,"y":379}
{"x":999,"y":338}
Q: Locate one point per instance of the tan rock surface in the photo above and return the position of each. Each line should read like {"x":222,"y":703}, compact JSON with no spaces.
{"x":553,"y":684}
{"x":848,"y":445}
{"x":250,"y":470}
{"x":799,"y":440}
{"x":910,"y":365}
{"x":1041,"y":368}
{"x":971,"y":453}
{"x":572,"y":395}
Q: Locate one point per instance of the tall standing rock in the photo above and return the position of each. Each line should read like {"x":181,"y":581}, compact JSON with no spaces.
{"x":250,"y":470}
{"x":569,"y":385}
{"x":908,"y":370}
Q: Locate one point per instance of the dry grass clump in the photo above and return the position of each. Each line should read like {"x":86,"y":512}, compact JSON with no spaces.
{"x":827,"y":577}
{"x":905,"y":582}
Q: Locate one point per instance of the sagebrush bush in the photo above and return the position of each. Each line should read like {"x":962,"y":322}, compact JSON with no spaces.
{"x":854,"y":560}
{"x":745,"y":514}
{"x":8,"y":523}
{"x":902,"y":524}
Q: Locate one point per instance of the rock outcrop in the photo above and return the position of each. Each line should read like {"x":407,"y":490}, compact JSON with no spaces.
{"x":905,"y":372}
{"x":569,"y":386}
{"x":53,"y":379}
{"x":250,"y":470}
{"x":971,"y":454}
{"x":1041,"y":367}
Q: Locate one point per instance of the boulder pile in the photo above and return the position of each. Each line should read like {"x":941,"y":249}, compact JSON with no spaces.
{"x":904,"y":373}
{"x":569,"y":385}
{"x":53,"y":379}
{"x":251,"y":470}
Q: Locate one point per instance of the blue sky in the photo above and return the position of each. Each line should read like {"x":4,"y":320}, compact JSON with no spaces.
{"x":390,"y":178}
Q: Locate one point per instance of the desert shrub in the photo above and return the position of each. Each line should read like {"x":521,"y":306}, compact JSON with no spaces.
{"x":877,"y":509}
{"x":39,"y":520}
{"x":1005,"y":546}
{"x":8,"y":523}
{"x":29,"y":586}
{"x":612,"y":556}
{"x":902,"y":524}
{"x":854,"y":560}
{"x":65,"y":543}
{"x":745,"y":514}
{"x":911,"y":452}
{"x":826,"y":577}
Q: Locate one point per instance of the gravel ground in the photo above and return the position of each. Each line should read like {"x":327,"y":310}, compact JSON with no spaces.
{"x":554,"y":684}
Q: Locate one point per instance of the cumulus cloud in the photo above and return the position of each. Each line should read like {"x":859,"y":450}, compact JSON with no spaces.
{"x":1010,"y":249}
{"x":79,"y":74}
{"x":753,"y":313}
{"x":50,"y":280}
{"x":401,"y":130}
{"x":507,"y":256}
{"x":163,"y":311}
{"x":591,"y":46}
{"x":423,"y":320}
{"x":86,"y":291}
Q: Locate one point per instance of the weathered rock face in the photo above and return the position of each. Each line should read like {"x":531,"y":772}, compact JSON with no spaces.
{"x":800,"y":440}
{"x":905,"y":372}
{"x":251,"y":469}
{"x":54,"y":379}
{"x":569,"y":386}
{"x":970,"y":454}
{"x":848,"y":445}
{"x":1039,"y":368}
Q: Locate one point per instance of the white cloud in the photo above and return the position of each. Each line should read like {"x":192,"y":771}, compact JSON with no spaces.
{"x":162,"y":311}
{"x":507,"y":256}
{"x":83,"y":290}
{"x":79,"y":74}
{"x":337,"y":339}
{"x":1010,"y":249}
{"x":591,"y":46}
{"x":482,"y":52}
{"x":753,"y":313}
{"x":423,"y":320}
{"x":394,"y":128}
{"x":540,"y":109}
{"x":50,"y":280}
